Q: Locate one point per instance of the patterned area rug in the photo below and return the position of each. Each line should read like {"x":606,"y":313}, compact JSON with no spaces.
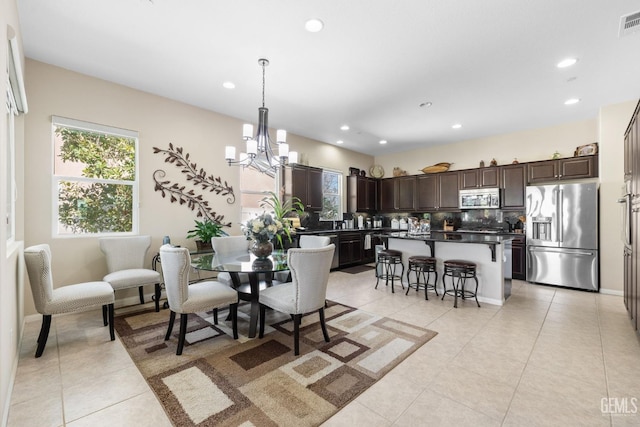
{"x":220,"y":381}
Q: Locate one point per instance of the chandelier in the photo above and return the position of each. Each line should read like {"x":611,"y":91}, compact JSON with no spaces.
{"x":260,"y":153}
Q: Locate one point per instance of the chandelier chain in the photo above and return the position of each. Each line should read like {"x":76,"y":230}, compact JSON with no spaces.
{"x":263,"y":65}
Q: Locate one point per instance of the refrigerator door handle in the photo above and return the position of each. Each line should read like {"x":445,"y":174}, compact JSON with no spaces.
{"x":560,"y":215}
{"x":566,"y":251}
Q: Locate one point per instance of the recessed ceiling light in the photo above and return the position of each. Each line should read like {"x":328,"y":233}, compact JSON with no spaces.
{"x":571,"y":101}
{"x":314,"y":25}
{"x":566,"y":62}
{"x":383,"y":141}
{"x":344,"y":127}
{"x":339,"y":141}
{"x":228,"y":85}
{"x":426,"y":104}
{"x":456,"y":126}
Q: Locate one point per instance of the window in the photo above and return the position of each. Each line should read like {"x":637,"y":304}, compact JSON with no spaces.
{"x":95,"y":180}
{"x":10,"y":175}
{"x":331,"y":196}
{"x":254,"y":185}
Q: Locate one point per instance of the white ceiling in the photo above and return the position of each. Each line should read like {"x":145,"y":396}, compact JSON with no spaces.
{"x":487,"y":64}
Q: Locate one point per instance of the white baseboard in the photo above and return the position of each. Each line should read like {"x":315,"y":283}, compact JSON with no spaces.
{"x":611,"y":292}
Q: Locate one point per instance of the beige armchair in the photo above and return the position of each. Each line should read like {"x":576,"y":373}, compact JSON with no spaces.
{"x":201,"y":296}
{"x":306,"y":292}
{"x":125,"y":264}
{"x":66,"y":299}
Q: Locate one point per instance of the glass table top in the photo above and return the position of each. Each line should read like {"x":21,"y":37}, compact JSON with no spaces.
{"x":241,"y":262}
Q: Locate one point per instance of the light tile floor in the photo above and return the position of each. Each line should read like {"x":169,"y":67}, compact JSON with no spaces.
{"x":549,"y":356}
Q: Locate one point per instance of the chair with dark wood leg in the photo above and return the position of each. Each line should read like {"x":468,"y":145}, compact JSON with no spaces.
{"x":305,"y":293}
{"x":125,"y":263}
{"x":184,"y":298}
{"x":65,"y":299}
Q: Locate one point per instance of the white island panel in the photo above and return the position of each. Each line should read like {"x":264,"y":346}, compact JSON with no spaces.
{"x":491,"y":277}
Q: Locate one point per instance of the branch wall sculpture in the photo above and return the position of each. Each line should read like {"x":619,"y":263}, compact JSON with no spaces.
{"x":198,"y":178}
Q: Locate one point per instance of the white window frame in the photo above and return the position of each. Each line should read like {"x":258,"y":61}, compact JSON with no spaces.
{"x":12,"y":194}
{"x":93,"y":127}
{"x":340,"y":194}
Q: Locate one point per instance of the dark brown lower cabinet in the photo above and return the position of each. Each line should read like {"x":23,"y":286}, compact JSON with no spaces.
{"x":350,"y":248}
{"x":519,"y":258}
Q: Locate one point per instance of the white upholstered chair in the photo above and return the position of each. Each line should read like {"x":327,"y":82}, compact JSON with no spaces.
{"x":306,"y":242}
{"x":306,"y":292}
{"x":313,"y":241}
{"x":65,"y":299}
{"x":201,"y":296}
{"x":226,"y":245}
{"x":125,"y":264}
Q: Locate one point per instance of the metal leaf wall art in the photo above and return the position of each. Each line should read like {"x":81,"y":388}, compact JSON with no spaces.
{"x":198,"y":178}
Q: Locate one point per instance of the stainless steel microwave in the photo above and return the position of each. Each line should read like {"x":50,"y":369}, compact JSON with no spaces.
{"x":482,"y":198}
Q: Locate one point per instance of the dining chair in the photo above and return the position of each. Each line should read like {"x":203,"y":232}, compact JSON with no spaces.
{"x":65,"y":299}
{"x":125,"y":264}
{"x":305,"y":293}
{"x":185,"y":298}
{"x":314,"y":241}
{"x":229,"y":244}
{"x":304,"y":241}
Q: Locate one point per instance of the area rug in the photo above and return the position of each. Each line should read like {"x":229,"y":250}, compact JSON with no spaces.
{"x":223,"y":382}
{"x":357,"y":269}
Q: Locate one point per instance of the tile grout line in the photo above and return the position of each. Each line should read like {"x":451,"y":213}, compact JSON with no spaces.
{"x":604,"y":359}
{"x":528,"y":358}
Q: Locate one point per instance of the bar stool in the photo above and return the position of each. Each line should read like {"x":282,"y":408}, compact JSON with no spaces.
{"x":459,"y":271}
{"x":389,"y":259}
{"x":422,"y":266}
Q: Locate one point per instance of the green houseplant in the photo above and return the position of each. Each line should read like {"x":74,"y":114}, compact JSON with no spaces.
{"x":204,"y":231}
{"x":282,"y":211}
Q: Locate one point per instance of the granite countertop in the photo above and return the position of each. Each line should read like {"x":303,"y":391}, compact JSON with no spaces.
{"x":451,"y":236}
{"x":340,"y":230}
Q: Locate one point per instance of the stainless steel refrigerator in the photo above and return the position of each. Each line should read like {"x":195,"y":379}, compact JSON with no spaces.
{"x":562,"y":235}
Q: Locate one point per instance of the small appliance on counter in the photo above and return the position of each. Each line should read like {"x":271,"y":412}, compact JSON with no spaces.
{"x":404,"y":225}
{"x":395,"y":224}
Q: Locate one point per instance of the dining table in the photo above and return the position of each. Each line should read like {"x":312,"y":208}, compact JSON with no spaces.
{"x":259,"y":270}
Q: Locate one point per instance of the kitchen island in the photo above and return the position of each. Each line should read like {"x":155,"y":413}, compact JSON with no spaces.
{"x":491,"y":253}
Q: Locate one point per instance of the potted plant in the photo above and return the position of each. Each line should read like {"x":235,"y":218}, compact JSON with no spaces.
{"x":283,"y":211}
{"x":204,"y":231}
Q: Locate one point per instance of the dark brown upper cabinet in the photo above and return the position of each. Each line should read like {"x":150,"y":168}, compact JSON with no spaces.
{"x":397,"y":194}
{"x":362,"y":194}
{"x":437,"y":191}
{"x":405,"y":193}
{"x":513,"y":185}
{"x":305,"y":183}
{"x":562,"y":169}
{"x":479,"y":178}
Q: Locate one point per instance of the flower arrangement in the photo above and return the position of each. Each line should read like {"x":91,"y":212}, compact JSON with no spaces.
{"x":263,"y":228}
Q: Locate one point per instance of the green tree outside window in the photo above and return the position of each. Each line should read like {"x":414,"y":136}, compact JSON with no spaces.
{"x":96,"y":173}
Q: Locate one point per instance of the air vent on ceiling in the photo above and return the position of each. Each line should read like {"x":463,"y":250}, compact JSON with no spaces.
{"x":629,"y":24}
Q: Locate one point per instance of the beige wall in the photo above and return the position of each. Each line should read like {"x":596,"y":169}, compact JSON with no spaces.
{"x":526,"y":146}
{"x":613,"y":120}
{"x":159,"y":121}
{"x":11,"y":294}
{"x":540,"y":144}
